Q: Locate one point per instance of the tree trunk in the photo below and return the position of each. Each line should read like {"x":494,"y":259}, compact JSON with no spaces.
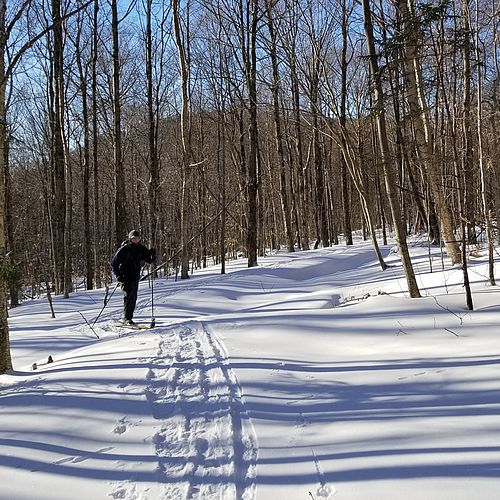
{"x":221,"y":166}
{"x":121,"y":223}
{"x":319,"y":169}
{"x":12,"y":261}
{"x":467,"y":155}
{"x":58,"y":163}
{"x":385,"y":153}
{"x":419,"y":113}
{"x":154,"y":179}
{"x":480,"y":148}
{"x":250,"y":59}
{"x":285,"y":204}
{"x":68,"y":221}
{"x":344,"y":181}
{"x":95,"y":152}
{"x":5,"y":358}
{"x":303,"y":206}
{"x":185,"y":137}
{"x":218,"y":76}
{"x":89,"y":244}
{"x":468,"y":292}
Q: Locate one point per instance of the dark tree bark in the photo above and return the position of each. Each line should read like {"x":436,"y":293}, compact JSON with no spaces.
{"x":89,"y":245}
{"x":153,"y":164}
{"x":250,"y":59}
{"x":385,"y":153}
{"x":275,"y":90}
{"x":58,"y":160}
{"x":481,"y":154}
{"x":344,"y":181}
{"x":419,"y":113}
{"x":467,"y":149}
{"x":321,"y":216}
{"x":5,"y":358}
{"x":95,"y":149}
{"x":302,"y":205}
{"x":121,"y":222}
{"x":186,"y":169}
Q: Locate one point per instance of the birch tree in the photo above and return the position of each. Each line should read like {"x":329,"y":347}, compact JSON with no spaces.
{"x":421,"y":124}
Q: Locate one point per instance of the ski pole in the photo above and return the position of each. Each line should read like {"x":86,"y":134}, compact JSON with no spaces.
{"x":106,"y":303}
{"x":88,"y":324}
{"x":153,"y":321}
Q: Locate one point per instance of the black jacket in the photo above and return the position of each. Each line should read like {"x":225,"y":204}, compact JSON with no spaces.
{"x":128,"y":259}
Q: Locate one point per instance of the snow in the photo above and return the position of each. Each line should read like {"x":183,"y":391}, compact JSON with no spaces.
{"x":312,"y":376}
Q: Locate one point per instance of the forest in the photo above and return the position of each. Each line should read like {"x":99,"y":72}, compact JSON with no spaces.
{"x":224,"y":128}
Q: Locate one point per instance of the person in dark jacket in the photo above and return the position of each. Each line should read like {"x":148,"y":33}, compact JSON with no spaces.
{"x":126,"y":265}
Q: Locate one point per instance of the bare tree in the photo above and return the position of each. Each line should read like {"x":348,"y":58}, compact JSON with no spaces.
{"x":481,"y":155}
{"x":378,"y":95}
{"x":95,"y":143}
{"x":343,"y":121}
{"x":5,"y":74}
{"x":423,"y":137}
{"x":153,"y":106}
{"x":121,"y":215}
{"x":5,"y":358}
{"x":275,"y":90}
{"x":290,"y":46}
{"x":181,"y":39}
{"x":86,"y":167}
{"x":317,"y":38}
{"x":248,"y":40}
{"x":57,"y":149}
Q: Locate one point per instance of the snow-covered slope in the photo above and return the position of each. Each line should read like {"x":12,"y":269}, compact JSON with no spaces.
{"x":311,"y":376}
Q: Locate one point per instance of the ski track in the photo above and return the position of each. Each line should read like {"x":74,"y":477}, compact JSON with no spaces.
{"x":204,"y":441}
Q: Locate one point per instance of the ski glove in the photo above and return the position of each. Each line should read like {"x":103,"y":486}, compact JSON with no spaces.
{"x":152,"y":252}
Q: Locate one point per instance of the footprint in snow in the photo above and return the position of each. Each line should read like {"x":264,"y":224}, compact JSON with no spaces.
{"x":124,"y":492}
{"x":121,"y":426}
{"x":302,"y":421}
{"x":205,"y":443}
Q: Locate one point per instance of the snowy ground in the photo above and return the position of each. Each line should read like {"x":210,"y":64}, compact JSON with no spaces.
{"x":313,"y":376}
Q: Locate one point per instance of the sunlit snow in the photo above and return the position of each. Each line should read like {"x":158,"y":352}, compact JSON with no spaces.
{"x":312,"y":376}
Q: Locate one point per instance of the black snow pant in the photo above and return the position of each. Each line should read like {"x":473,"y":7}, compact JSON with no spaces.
{"x":129,"y":298}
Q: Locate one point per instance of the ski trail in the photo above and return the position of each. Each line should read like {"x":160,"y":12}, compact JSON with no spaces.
{"x":204,"y":441}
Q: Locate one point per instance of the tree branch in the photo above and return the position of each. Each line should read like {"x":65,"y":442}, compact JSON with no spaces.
{"x":30,"y":43}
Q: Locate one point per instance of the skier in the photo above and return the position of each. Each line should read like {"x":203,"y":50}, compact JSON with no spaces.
{"x":126,"y":265}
